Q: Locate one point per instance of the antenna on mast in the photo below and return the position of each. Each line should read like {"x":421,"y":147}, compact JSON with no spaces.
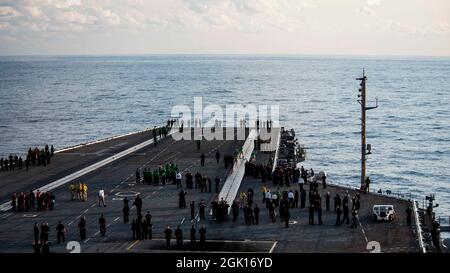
{"x":366,"y":149}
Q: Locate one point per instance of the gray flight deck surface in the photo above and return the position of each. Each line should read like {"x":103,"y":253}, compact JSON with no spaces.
{"x":118,"y":180}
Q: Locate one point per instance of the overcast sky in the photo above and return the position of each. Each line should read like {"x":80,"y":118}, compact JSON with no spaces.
{"x":361,"y":27}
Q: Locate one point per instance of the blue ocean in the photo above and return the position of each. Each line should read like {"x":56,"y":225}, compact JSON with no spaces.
{"x":67,"y":100}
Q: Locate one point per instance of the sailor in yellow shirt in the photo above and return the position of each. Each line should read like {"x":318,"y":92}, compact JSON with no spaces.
{"x":80,"y":191}
{"x":85,"y":190}
{"x":243,"y":198}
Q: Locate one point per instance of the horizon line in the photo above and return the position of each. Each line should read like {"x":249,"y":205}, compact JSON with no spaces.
{"x":225,"y":54}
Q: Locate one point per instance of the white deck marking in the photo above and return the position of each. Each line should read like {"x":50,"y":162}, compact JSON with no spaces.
{"x":30,"y":215}
{"x":133,"y":244}
{"x":4,"y":216}
{"x":121,"y":144}
{"x":363,"y":232}
{"x":102,"y":151}
{"x":273,"y":247}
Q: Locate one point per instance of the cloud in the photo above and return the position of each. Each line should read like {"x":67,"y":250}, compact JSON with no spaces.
{"x":250,"y":15}
{"x":368,"y":8}
{"x":391,"y":26}
{"x":8,"y":12}
{"x":442,"y":28}
{"x":73,"y":2}
{"x":98,"y":15}
{"x":34,"y":12}
{"x":4,"y":26}
{"x":365,"y":11}
{"x":110,"y":17}
{"x":373,"y":2}
{"x":70,"y":15}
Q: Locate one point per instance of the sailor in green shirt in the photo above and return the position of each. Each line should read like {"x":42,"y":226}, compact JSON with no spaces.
{"x":156,"y":177}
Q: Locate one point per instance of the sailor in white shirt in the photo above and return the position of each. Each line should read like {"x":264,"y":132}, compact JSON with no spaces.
{"x":301,"y":182}
{"x":101,"y":197}
{"x":178,"y":178}
{"x":291,"y":199}
{"x":274,"y":197}
{"x":268,"y":198}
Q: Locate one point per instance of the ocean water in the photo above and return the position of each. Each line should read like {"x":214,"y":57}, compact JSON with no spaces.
{"x":67,"y":100}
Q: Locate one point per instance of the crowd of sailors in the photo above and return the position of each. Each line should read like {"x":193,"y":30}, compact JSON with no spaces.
{"x":277,"y":203}
{"x":163,"y":175}
{"x":78,"y":191}
{"x":259,"y":171}
{"x":35,"y":157}
{"x":141,"y":227}
{"x":26,"y":201}
{"x":198,"y":123}
{"x":281,"y":201}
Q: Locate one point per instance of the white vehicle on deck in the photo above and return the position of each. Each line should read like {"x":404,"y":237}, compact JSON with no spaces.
{"x":318,"y":177}
{"x":383,"y":212}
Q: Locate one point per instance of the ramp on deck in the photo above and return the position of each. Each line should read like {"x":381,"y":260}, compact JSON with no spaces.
{"x":233,"y":182}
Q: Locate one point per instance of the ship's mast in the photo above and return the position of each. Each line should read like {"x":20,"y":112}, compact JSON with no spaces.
{"x":365,"y":148}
